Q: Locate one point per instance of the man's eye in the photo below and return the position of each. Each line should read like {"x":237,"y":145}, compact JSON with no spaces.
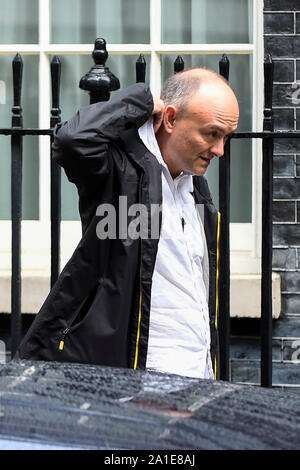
{"x":227,"y":137}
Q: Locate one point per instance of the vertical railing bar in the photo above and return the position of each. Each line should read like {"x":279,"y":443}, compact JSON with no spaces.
{"x":266,"y":263}
{"x":16,"y":205}
{"x":55,"y":172}
{"x":178,"y":64}
{"x":140,"y":69}
{"x":224,"y":264}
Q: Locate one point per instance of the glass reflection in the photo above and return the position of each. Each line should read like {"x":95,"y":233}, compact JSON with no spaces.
{"x":117,"y":21}
{"x":19,"y":22}
{"x":206,"y":21}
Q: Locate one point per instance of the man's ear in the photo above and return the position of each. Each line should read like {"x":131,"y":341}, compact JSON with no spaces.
{"x":170,"y":116}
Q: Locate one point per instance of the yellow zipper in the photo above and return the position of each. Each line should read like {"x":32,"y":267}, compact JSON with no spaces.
{"x":217,"y":285}
{"x":141,"y":295}
{"x":62,"y":341}
{"x":139,"y":326}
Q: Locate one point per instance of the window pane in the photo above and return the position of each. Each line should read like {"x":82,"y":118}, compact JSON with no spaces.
{"x":207,"y":21}
{"x":117,"y":21}
{"x":19,"y":21}
{"x":241,"y":150}
{"x":30,"y":186}
{"x":72,"y":98}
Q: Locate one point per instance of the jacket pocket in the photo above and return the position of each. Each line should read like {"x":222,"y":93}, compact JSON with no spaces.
{"x":78,"y":317}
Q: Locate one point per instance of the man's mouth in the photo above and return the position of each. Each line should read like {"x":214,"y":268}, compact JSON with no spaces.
{"x":205,"y":159}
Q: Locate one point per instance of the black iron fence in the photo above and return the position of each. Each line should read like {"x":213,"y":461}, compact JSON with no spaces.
{"x":99,"y":82}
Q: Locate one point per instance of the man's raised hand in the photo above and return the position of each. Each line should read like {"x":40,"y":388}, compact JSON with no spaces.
{"x":157,"y":113}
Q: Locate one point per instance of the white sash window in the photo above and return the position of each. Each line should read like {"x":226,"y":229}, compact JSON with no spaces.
{"x":198,"y":30}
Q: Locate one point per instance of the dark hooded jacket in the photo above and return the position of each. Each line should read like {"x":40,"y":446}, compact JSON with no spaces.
{"x":98,"y":310}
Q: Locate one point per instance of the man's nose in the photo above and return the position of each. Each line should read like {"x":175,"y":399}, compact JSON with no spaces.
{"x":218,"y":148}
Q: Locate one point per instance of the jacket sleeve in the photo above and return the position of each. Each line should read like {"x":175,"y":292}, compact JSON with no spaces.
{"x":80,"y":144}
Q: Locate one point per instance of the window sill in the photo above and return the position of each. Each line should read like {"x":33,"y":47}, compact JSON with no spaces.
{"x":244,"y":293}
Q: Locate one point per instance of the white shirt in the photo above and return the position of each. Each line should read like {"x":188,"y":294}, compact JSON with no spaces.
{"x":179,"y":334}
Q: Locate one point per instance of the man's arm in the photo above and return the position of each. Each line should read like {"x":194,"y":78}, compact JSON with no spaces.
{"x":81,"y":143}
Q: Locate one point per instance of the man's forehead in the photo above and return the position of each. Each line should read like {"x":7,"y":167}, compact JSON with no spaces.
{"x":209,"y":104}
{"x":210,"y":112}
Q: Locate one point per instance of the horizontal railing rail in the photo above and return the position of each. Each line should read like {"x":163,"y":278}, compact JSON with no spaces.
{"x":235,"y":135}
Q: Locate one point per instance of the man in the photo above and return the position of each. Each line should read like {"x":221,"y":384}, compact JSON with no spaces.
{"x":141,"y":302}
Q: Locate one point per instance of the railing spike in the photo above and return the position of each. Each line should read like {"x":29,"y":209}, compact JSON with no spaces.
{"x":17,"y":67}
{"x":268,"y":91}
{"x":178,"y":64}
{"x":55,"y":82}
{"x":140,"y":68}
{"x":224,"y":66}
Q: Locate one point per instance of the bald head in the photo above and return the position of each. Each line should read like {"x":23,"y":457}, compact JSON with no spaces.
{"x":200,"y":113}
{"x":180,"y":88}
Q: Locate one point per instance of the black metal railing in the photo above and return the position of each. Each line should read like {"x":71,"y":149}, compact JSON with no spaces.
{"x":99,"y":82}
{"x":55,"y":175}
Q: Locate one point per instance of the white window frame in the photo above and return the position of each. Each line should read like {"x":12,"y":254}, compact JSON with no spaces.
{"x":245,"y":237}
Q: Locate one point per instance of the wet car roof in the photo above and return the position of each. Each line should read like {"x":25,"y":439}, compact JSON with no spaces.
{"x":48,"y":404}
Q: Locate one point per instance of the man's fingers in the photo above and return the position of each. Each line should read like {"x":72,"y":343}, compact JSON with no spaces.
{"x":157,"y":120}
{"x":157,"y":113}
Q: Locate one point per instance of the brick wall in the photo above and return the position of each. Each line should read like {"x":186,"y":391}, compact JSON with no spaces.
{"x":282,"y":41}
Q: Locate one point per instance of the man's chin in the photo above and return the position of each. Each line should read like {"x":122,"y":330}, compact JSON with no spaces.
{"x":199,"y":171}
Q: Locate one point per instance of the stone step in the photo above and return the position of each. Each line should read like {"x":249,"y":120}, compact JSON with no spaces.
{"x":245,"y":354}
{"x":248,"y":371}
{"x":285,"y":326}
{"x":288,"y":326}
{"x":283,"y":349}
